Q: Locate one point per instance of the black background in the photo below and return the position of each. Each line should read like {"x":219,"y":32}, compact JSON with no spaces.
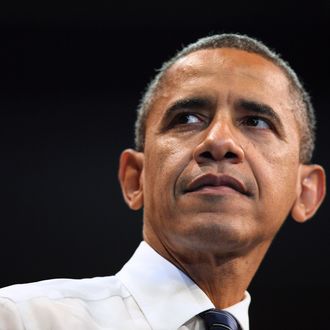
{"x":71,"y":75}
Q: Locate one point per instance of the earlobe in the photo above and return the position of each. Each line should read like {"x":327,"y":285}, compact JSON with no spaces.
{"x":130,"y":177}
{"x":310,"y":192}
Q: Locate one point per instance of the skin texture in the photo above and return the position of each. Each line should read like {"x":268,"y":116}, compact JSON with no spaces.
{"x":220,"y":170}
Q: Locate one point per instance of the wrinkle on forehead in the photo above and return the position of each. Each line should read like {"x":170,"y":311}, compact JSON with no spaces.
{"x":207,"y":62}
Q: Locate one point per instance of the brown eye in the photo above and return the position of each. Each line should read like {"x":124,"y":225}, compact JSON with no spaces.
{"x":187,"y":118}
{"x":256,"y":122}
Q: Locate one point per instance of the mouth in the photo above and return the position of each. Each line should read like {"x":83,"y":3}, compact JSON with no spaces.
{"x":216,"y":184}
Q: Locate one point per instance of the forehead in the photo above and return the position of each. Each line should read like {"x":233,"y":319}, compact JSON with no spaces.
{"x":227,"y":62}
{"x":224,"y":71}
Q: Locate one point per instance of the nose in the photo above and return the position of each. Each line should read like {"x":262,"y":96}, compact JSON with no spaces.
{"x":219,"y":144}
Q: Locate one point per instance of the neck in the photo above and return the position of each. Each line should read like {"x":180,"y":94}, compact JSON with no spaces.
{"x":223,"y":278}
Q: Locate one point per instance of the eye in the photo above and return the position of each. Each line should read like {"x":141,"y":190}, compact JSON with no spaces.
{"x":186,"y":118}
{"x":257,"y":122}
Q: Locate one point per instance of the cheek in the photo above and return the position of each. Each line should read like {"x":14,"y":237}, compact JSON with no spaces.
{"x":164,"y":162}
{"x":276,"y":175}
{"x":165,"y":159}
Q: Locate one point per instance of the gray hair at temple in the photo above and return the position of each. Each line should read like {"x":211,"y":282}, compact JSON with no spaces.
{"x":303,"y":108}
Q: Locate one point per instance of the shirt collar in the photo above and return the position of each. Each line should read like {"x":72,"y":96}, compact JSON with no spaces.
{"x":162,"y":290}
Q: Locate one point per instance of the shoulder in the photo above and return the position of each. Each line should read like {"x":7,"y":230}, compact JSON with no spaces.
{"x":86,"y":289}
{"x":60,"y":302}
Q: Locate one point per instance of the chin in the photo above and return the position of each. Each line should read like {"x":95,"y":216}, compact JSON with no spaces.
{"x":215,"y":236}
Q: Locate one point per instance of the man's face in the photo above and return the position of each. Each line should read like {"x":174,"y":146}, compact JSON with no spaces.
{"x":221,"y":156}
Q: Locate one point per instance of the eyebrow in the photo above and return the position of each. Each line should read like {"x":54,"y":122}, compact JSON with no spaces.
{"x":189,"y":103}
{"x":262,"y":109}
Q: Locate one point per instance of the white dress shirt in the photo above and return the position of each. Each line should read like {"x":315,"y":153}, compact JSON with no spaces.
{"x":148,"y":293}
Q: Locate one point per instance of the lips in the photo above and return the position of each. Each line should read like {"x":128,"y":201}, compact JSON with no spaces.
{"x":211,"y":180}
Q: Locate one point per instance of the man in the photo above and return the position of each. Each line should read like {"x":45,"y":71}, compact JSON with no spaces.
{"x":224,"y":139}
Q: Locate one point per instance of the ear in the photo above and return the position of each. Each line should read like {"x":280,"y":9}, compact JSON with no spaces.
{"x":310,"y":192}
{"x":130,"y":177}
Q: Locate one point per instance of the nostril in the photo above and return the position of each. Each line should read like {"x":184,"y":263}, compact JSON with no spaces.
{"x":207,"y":155}
{"x":230,"y":155}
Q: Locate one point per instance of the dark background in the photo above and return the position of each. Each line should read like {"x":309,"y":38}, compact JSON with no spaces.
{"x":71,"y":75}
